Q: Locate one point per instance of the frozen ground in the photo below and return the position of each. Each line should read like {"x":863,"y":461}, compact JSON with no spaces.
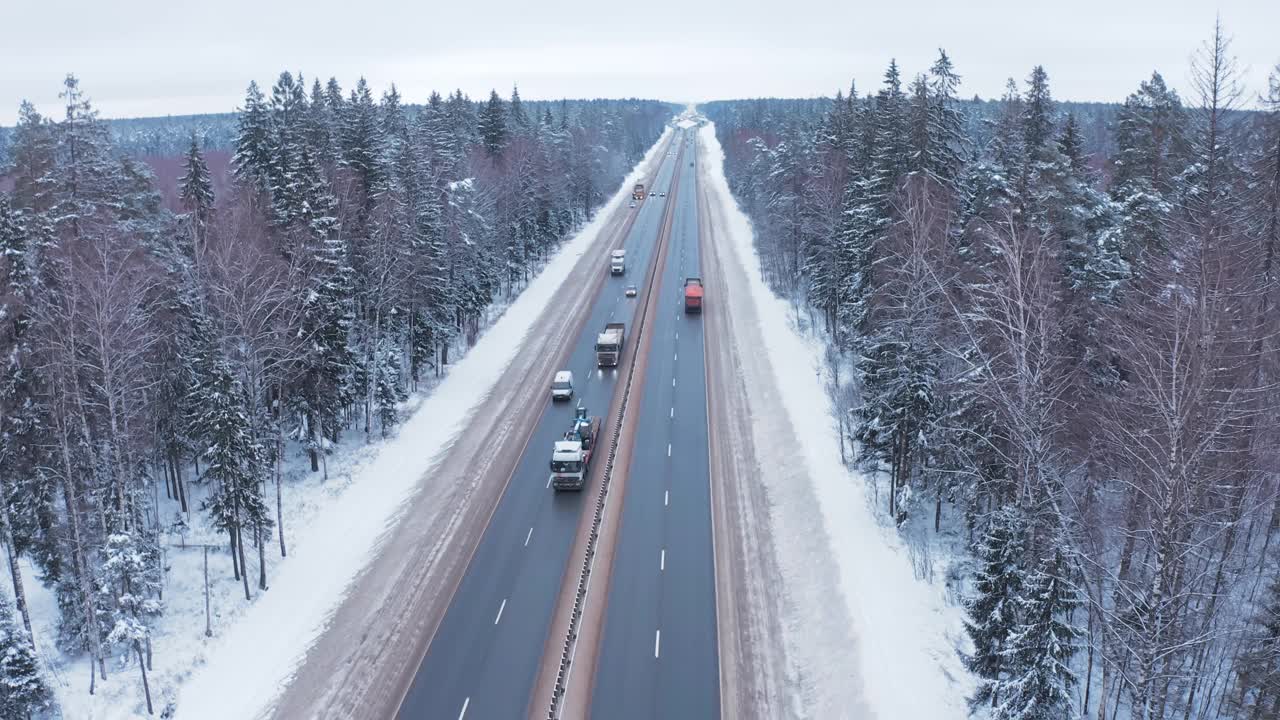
{"x":862,"y":635}
{"x":332,"y":527}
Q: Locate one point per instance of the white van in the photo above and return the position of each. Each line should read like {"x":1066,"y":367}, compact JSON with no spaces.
{"x":562,"y":385}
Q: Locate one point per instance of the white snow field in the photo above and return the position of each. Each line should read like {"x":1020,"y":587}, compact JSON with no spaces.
{"x":333,"y":528}
{"x":896,"y":658}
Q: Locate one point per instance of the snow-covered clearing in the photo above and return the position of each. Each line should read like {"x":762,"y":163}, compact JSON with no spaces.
{"x":904,"y":631}
{"x":333,"y":528}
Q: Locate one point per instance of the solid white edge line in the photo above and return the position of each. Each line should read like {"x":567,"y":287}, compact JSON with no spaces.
{"x":501,"y":607}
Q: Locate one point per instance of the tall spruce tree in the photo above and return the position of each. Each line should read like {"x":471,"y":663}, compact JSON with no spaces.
{"x":196,"y":189}
{"x":1040,"y":649}
{"x":23,"y":693}
{"x":993,"y":613}
{"x":493,"y":125}
{"x":236,"y":463}
{"x":254,"y":152}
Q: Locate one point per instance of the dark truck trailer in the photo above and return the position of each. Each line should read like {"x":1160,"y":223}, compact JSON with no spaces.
{"x":693,"y":295}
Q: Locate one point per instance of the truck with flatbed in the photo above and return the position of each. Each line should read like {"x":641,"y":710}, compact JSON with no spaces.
{"x":609,"y":344}
{"x":571,"y":457}
{"x":693,"y":295}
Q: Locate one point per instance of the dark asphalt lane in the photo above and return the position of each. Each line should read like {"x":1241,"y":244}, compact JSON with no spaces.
{"x":659,"y":657}
{"x":484,"y":657}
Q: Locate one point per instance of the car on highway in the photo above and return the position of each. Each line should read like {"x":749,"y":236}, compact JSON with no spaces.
{"x":633,"y":203}
{"x":631,"y":291}
{"x":562,"y":385}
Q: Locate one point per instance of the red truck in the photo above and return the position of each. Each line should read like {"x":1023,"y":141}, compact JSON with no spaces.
{"x":693,"y":295}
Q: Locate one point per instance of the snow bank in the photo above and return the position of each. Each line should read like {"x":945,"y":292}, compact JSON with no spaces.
{"x":249,"y":664}
{"x":905,"y":631}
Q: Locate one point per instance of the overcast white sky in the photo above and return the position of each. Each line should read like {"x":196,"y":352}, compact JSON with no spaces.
{"x":157,"y":57}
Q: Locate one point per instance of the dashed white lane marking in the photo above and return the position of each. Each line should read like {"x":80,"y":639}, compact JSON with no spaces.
{"x":526,"y":537}
{"x":677,"y":334}
{"x":673,"y":412}
{"x":465,"y":703}
{"x":666,"y":498}
{"x":501,"y":607}
{"x":662,"y":560}
{"x":676,"y":358}
{"x":673,"y":382}
{"x":549,"y":480}
{"x":668,"y":449}
{"x":657,"y":642}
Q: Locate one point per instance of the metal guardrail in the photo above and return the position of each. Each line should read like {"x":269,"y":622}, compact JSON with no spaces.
{"x":584,"y":576}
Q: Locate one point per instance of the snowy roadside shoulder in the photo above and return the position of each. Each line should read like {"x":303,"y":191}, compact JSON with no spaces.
{"x":904,"y":628}
{"x":257,"y":653}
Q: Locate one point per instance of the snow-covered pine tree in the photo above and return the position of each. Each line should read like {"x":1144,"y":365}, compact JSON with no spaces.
{"x":235,"y":463}
{"x":993,"y":613}
{"x":361,"y":140}
{"x":493,"y":125}
{"x":1151,"y":151}
{"x":824,"y":202}
{"x":196,"y":190}
{"x":33,"y":151}
{"x":871,"y":213}
{"x":518,"y":117}
{"x":1038,"y":653}
{"x":86,"y":175}
{"x":389,"y":387}
{"x":130,"y":580}
{"x":26,"y":508}
{"x":948,"y":150}
{"x":254,"y":153}
{"x":326,"y":372}
{"x":22,"y":690}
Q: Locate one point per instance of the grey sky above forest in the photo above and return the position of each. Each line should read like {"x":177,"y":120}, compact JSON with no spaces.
{"x":158,"y":57}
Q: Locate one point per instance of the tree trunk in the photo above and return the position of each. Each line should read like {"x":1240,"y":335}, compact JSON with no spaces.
{"x":235,"y":559}
{"x":79,"y":561}
{"x":279,"y":500}
{"x":937,"y":510}
{"x":176,"y":460}
{"x":19,"y":596}
{"x":244,"y":576}
{"x":208,"y":617}
{"x":146,"y":689}
{"x":262,"y":556}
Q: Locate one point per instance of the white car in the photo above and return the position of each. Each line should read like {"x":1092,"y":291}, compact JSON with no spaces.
{"x":631,"y":291}
{"x":562,"y":385}
{"x":633,"y":203}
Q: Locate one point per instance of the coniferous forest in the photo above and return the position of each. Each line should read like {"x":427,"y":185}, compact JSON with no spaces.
{"x":164,"y":359}
{"x":1053,"y":329}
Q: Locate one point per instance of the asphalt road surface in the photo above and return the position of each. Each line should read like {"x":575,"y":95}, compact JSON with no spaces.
{"x":659,"y":655}
{"x":484,"y":656}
